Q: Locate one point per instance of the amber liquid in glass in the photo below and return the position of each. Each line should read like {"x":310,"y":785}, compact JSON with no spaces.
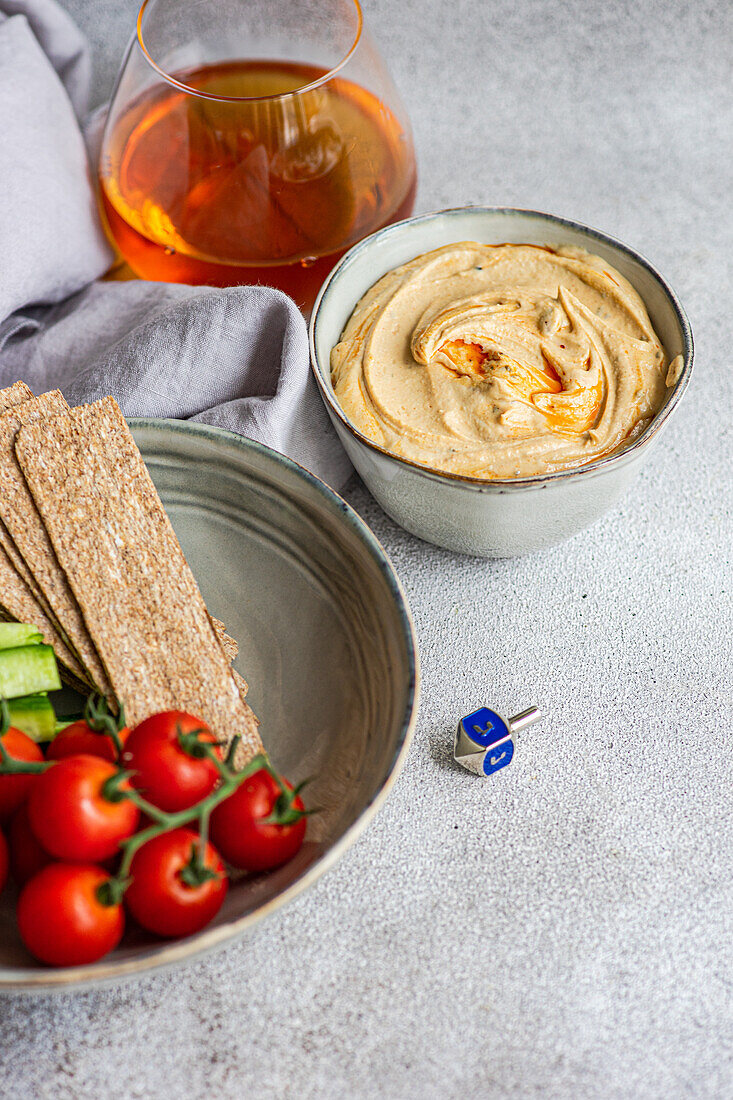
{"x":273,"y":191}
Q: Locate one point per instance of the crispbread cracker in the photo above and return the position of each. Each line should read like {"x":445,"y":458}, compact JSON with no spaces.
{"x":6,"y":541}
{"x":24,"y":525}
{"x":19,"y":565}
{"x":230,"y":646}
{"x":122,"y":559}
{"x":14,"y":395}
{"x":241,"y":683}
{"x":17,"y":602}
{"x":9,"y":398}
{"x":17,"y":599}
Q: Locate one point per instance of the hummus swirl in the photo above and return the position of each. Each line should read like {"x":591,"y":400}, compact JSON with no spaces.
{"x":500,"y":361}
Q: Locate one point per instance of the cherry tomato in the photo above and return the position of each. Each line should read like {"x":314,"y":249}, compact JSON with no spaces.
{"x":160,"y":898}
{"x":70,"y":814}
{"x":27,"y":855}
{"x":79,"y":737}
{"x":166,"y":774}
{"x":14,"y":788}
{"x":241,"y":834}
{"x":3,"y":861}
{"x":62,"y":919}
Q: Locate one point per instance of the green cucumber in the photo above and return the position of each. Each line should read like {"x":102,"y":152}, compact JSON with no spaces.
{"x":34,"y":715}
{"x":26,"y":670}
{"x":13,"y":635}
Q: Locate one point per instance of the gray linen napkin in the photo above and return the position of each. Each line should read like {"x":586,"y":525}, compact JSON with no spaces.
{"x":237,"y":358}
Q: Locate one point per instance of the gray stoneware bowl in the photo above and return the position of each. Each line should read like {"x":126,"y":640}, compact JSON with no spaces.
{"x":490,"y":518}
{"x":326,"y":644}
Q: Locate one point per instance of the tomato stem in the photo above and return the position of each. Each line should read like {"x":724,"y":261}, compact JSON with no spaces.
{"x":284,"y":811}
{"x":196,"y":873}
{"x":112,"y":787}
{"x":203,"y":832}
{"x":164,"y":822}
{"x":111,"y":891}
{"x":232,"y":752}
{"x":190,"y":741}
{"x":100,"y":718}
{"x":8,"y":764}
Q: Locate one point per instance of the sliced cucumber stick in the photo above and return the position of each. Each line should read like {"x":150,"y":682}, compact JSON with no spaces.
{"x":13,"y":635}
{"x":28,"y":669}
{"x":34,"y":715}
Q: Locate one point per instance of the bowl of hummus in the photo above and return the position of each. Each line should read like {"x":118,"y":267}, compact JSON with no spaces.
{"x":498,"y":376}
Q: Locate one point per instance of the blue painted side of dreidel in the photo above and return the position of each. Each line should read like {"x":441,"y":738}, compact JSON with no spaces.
{"x":485,"y":727}
{"x":498,"y":757}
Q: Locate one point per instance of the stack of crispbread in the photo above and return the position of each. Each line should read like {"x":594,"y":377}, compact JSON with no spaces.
{"x":89,"y":557}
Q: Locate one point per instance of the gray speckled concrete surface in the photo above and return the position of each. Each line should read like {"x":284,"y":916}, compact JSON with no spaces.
{"x":564,"y":931}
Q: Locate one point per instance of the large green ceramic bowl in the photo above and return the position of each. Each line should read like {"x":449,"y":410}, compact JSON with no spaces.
{"x":326,"y":645}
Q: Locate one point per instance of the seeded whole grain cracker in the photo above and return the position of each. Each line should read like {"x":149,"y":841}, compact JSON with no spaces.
{"x":231,"y":648}
{"x":14,"y":395}
{"x":21,"y":598}
{"x":229,"y":644}
{"x":7,"y":544}
{"x":123,"y":561}
{"x":241,"y":683}
{"x":30,"y":539}
{"x":11,"y":397}
{"x":17,"y":602}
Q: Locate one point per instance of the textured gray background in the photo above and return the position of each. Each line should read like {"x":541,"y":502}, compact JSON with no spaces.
{"x":564,"y":931}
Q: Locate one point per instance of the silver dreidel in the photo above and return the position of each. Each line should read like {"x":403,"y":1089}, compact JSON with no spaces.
{"x":484,"y":742}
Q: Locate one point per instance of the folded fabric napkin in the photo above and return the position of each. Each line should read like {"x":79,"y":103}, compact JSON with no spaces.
{"x":237,"y":358}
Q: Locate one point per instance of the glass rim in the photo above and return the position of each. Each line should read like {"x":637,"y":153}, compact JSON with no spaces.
{"x":182,"y":86}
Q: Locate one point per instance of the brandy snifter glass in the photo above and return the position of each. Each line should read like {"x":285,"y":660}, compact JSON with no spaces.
{"x":252,"y":141}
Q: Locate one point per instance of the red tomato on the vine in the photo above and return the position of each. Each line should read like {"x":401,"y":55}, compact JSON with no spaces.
{"x":14,"y":788}
{"x":165,"y":895}
{"x":241,"y":832}
{"x":27,"y":854}
{"x":79,"y":738}
{"x":62,"y":917}
{"x":3,"y":861}
{"x":170,"y":771}
{"x":71,"y":815}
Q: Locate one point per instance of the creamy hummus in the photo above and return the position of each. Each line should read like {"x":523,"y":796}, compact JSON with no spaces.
{"x":500,"y":360}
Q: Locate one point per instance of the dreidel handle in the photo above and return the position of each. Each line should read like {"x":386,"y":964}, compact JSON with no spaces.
{"x":525,"y":718}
